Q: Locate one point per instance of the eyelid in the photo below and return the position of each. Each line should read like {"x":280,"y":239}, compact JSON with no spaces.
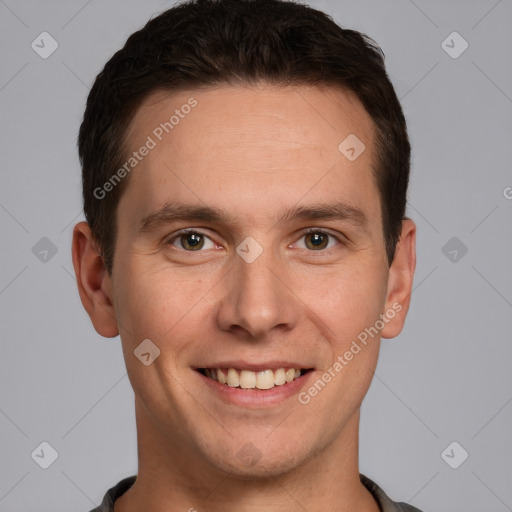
{"x":327,"y":231}
{"x":168,"y":240}
{"x":340,"y":237}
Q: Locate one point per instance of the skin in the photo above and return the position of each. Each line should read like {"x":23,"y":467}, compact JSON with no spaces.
{"x":254,"y":152}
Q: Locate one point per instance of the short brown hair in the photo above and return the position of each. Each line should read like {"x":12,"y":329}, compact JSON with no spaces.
{"x":202,"y":43}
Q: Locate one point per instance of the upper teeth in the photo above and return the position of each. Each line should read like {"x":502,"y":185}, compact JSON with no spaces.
{"x":247,"y":379}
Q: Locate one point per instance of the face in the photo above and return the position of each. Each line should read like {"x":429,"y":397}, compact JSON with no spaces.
{"x":250,"y":252}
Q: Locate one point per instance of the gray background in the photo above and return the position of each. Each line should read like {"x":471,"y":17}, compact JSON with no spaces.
{"x":446,"y":378}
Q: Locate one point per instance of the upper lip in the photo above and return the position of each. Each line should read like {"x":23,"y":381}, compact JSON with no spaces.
{"x":256,"y":367}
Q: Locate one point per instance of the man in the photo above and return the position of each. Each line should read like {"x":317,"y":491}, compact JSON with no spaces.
{"x":245,"y":169}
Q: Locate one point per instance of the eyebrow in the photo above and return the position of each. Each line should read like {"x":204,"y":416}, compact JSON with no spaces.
{"x":184,"y":212}
{"x":331,"y":211}
{"x":179,"y":211}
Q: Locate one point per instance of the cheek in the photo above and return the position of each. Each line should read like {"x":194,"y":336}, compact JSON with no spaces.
{"x":160,"y":304}
{"x":157,"y":305}
{"x":346,"y":299}
{"x":346,"y":308}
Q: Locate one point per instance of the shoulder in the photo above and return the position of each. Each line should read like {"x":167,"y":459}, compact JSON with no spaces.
{"x":107,"y":505}
{"x":386,"y":504}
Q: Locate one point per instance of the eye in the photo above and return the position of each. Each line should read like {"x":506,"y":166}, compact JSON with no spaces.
{"x":191,"y":241}
{"x":316,"y":240}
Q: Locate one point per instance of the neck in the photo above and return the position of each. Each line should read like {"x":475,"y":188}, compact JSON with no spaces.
{"x":172,"y":476}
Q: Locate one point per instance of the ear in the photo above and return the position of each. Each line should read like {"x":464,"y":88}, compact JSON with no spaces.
{"x":400,"y":280}
{"x":94,"y":282}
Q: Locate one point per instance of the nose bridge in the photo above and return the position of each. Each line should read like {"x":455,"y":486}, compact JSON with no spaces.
{"x":257,"y":300}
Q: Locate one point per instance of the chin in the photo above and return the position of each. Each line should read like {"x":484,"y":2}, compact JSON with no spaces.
{"x":251,"y":462}
{"x":264,"y":469}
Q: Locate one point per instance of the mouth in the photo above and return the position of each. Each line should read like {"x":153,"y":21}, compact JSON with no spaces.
{"x":248,"y":379}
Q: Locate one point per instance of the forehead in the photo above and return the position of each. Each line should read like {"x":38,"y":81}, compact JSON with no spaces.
{"x":306,"y":116}
{"x":231,"y":144}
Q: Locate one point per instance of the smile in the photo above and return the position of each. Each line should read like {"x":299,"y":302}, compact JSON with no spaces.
{"x":247,"y":379}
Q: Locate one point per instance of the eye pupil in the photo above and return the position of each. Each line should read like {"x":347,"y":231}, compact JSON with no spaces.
{"x":192,"y":241}
{"x":316,"y":240}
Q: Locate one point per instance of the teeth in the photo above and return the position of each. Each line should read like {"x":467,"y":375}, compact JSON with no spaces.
{"x":265,"y":380}
{"x":247,"y":379}
{"x":233,"y":378}
{"x":221,"y":377}
{"x":280,"y":377}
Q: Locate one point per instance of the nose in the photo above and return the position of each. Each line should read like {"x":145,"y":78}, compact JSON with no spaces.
{"x":257,"y":300}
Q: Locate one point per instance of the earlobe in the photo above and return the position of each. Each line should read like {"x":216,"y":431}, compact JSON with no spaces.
{"x":400,"y":281}
{"x":93,"y":280}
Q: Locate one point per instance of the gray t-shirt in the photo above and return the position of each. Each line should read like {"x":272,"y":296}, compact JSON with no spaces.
{"x":385,"y":503}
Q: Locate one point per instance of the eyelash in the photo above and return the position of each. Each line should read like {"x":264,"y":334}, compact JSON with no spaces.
{"x":176,"y":236}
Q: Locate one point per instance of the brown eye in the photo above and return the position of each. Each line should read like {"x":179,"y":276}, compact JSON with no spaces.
{"x":191,"y":241}
{"x":316,"y":240}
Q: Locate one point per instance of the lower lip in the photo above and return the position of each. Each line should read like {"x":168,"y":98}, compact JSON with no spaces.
{"x":256,"y":397}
